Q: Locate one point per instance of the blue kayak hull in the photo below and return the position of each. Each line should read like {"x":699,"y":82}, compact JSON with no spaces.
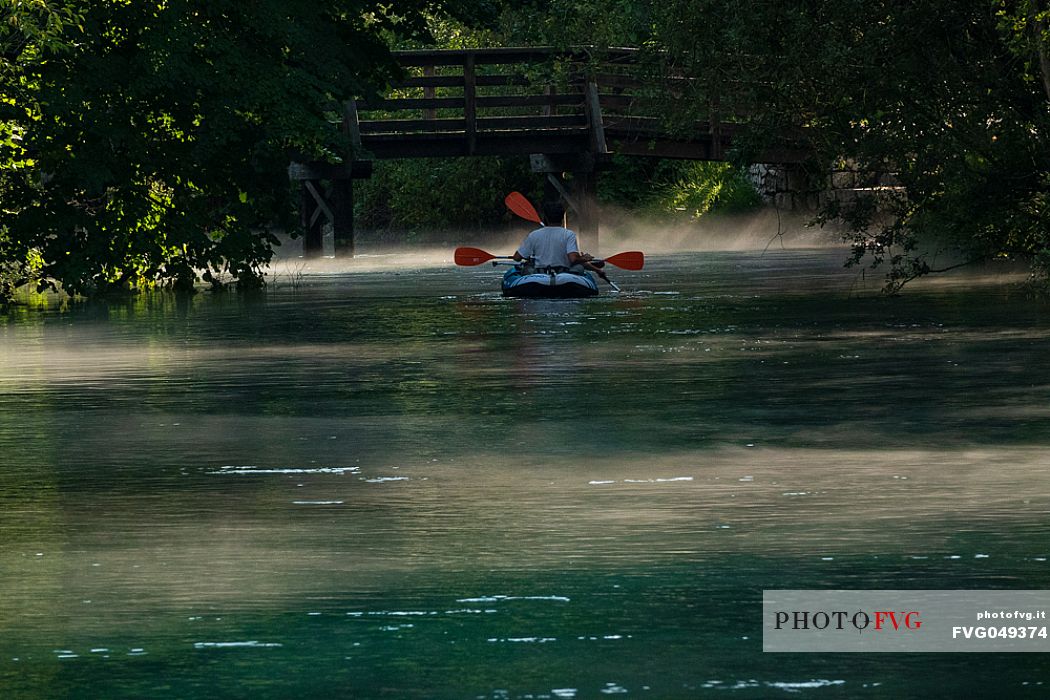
{"x":553,"y":285}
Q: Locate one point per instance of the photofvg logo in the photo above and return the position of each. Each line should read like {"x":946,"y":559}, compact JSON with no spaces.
{"x":899,"y":620}
{"x":860,"y":620}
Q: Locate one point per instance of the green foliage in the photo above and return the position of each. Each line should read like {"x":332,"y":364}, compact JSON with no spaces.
{"x":664,"y":187}
{"x":950,"y":94}
{"x":564,"y":23}
{"x":710,"y":188}
{"x":448,"y":193}
{"x":414,"y":195}
{"x":33,"y":29}
{"x":633,"y":183}
{"x":147,"y":141}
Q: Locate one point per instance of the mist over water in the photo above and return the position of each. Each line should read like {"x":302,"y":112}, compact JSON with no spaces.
{"x":758,"y":237}
{"x":619,"y":230}
{"x":381,"y":476}
{"x":759,"y":231}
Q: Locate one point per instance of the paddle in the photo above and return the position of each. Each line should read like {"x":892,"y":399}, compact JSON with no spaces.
{"x":631,"y":260}
{"x":520,"y":205}
{"x":476,"y":256}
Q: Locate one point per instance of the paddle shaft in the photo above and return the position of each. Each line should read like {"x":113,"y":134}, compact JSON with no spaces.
{"x":466,"y":256}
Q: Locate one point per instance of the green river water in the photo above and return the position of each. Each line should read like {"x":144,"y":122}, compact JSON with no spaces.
{"x":399,"y":484}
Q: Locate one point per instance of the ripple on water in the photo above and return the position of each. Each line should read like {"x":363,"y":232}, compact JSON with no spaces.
{"x":788,"y":686}
{"x":502,"y":598}
{"x":419,"y":613}
{"x":659,"y":480}
{"x":252,"y":470}
{"x":251,"y":644}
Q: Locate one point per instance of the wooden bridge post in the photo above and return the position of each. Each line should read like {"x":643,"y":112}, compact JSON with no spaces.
{"x":342,"y":191}
{"x":429,"y":92}
{"x":585,"y":191}
{"x":333,"y":204}
{"x":586,"y":179}
{"x":341,"y":197}
{"x":310,"y":211}
{"x":470,"y":101}
{"x":581,"y":198}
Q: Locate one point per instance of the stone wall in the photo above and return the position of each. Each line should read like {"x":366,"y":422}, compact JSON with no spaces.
{"x":791,"y":188}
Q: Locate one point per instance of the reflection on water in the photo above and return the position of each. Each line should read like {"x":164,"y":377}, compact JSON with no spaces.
{"x":407,"y":486}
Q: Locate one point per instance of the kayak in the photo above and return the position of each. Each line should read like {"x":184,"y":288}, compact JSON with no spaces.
{"x":548,"y":285}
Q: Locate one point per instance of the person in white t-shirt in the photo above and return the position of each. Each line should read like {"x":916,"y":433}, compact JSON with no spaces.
{"x":554,"y":246}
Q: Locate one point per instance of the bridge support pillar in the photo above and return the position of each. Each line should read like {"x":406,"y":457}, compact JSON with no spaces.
{"x":579,"y":194}
{"x":585,"y":191}
{"x":310,"y":211}
{"x":332,"y":204}
{"x":342,"y":198}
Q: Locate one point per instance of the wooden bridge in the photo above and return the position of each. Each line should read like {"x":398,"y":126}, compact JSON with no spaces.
{"x":566,"y":111}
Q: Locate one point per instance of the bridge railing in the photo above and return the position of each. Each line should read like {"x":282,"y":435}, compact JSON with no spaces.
{"x":524,"y":98}
{"x":504,"y":101}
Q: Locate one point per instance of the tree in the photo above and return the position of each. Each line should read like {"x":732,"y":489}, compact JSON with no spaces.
{"x":950,"y":94}
{"x":147,"y":142}
{"x":29,"y":33}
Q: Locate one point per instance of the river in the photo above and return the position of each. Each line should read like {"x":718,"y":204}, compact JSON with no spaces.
{"x":396,"y":483}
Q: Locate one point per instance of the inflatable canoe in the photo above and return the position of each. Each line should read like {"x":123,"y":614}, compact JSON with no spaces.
{"x":548,"y":285}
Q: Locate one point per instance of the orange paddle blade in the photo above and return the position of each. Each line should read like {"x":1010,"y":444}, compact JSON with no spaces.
{"x":474,"y":256}
{"x":631,"y":260}
{"x":521,"y":206}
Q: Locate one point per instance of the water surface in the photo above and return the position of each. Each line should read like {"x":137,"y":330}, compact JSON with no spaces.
{"x":399,"y":484}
